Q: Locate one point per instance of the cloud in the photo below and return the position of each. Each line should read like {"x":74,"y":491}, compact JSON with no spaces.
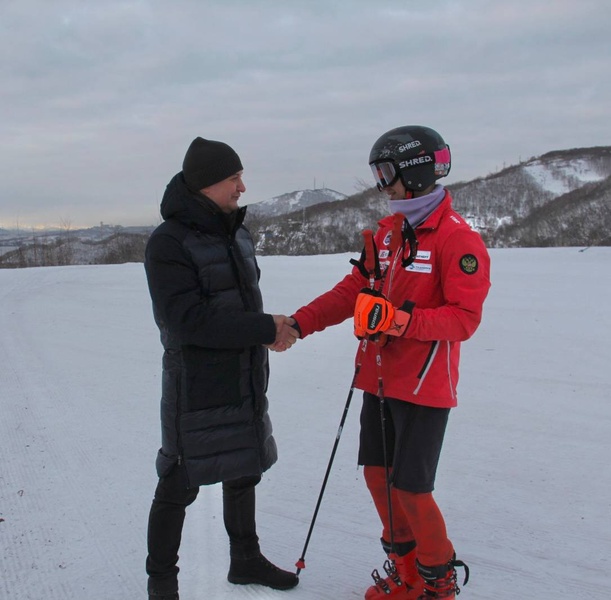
{"x":100,"y":100}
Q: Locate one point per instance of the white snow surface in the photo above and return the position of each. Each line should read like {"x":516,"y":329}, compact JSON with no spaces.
{"x":524,"y":480}
{"x":560,"y":177}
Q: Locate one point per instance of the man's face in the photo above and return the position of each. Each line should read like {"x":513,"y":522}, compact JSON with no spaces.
{"x":225,"y":194}
{"x":396,"y":191}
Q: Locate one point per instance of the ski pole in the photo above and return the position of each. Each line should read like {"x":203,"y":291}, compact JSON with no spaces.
{"x":395,"y":244}
{"x":300,"y":564}
{"x":385,"y":446}
{"x":369,"y":259}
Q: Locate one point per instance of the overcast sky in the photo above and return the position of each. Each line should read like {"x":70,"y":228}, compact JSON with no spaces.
{"x":99,"y":100}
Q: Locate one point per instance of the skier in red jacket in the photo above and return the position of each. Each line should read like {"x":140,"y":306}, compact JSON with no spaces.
{"x":412,"y":311}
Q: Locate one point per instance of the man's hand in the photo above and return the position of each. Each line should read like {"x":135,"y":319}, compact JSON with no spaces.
{"x":286,"y":335}
{"x":374,"y":314}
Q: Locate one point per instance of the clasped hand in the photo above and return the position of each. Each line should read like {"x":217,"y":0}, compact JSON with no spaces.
{"x":286,"y":335}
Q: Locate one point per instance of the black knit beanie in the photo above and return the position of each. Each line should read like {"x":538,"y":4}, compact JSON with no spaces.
{"x":207,"y":162}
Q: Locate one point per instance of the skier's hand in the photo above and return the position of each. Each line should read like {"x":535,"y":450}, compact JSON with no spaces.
{"x":374,"y":314}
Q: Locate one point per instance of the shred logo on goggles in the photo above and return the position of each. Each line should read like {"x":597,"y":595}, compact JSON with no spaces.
{"x":442,"y":162}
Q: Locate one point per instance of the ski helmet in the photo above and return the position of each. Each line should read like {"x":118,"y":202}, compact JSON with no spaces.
{"x":416,"y":154}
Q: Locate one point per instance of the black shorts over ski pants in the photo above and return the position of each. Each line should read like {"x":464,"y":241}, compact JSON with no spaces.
{"x":414,"y":437}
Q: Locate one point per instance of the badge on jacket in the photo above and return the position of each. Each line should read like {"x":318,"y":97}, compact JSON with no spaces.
{"x":468,"y":264}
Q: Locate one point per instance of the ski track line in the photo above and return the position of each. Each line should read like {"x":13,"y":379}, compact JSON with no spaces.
{"x":26,"y":537}
{"x":507,"y":581}
{"x":47,"y":472}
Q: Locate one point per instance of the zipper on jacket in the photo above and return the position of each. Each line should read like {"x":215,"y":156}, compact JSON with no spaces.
{"x":392,"y":275}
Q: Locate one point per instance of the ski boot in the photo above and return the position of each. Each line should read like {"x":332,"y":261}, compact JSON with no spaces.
{"x":402,"y":579}
{"x":440,"y":580}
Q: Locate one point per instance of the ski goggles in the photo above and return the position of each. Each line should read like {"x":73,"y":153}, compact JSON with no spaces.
{"x":384,"y":173}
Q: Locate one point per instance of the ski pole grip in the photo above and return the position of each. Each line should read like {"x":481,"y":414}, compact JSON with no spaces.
{"x":396,"y":239}
{"x":370,"y":257}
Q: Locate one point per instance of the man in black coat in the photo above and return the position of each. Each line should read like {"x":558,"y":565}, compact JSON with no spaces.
{"x":203,"y":280}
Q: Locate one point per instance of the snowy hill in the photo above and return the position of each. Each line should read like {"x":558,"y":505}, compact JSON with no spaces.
{"x":562,"y":198}
{"x":52,"y":247}
{"x":524,"y":479}
{"x":513,"y":207}
{"x":293,"y":202}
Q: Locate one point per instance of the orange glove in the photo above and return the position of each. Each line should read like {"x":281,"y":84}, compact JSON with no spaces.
{"x":374,"y":314}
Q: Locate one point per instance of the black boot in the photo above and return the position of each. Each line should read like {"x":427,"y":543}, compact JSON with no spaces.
{"x":260,"y":570}
{"x":163,"y":590}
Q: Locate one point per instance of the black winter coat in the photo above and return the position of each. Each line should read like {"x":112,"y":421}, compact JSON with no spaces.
{"x":203,"y":280}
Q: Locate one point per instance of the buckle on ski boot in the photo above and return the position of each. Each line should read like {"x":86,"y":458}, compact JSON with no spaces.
{"x":379,"y":582}
{"x":391,"y":571}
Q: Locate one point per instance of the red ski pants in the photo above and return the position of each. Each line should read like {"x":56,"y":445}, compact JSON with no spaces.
{"x":415,"y":517}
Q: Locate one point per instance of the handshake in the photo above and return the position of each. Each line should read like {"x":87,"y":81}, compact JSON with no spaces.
{"x":374,"y":318}
{"x":286,"y":334}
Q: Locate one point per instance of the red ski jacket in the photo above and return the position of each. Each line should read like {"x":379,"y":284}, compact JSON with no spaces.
{"x":448,"y":282}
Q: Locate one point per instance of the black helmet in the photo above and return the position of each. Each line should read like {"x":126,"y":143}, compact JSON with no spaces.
{"x":416,"y":154}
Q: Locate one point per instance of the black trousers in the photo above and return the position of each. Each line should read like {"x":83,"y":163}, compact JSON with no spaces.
{"x":167,"y":516}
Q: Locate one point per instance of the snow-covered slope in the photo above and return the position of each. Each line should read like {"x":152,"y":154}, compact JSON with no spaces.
{"x":559,"y":176}
{"x":522,"y":196}
{"x":524,"y":479}
{"x":293,"y":201}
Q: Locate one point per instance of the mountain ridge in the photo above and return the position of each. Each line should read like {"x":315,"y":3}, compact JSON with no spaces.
{"x":561,"y":198}
{"x":294,"y":202}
